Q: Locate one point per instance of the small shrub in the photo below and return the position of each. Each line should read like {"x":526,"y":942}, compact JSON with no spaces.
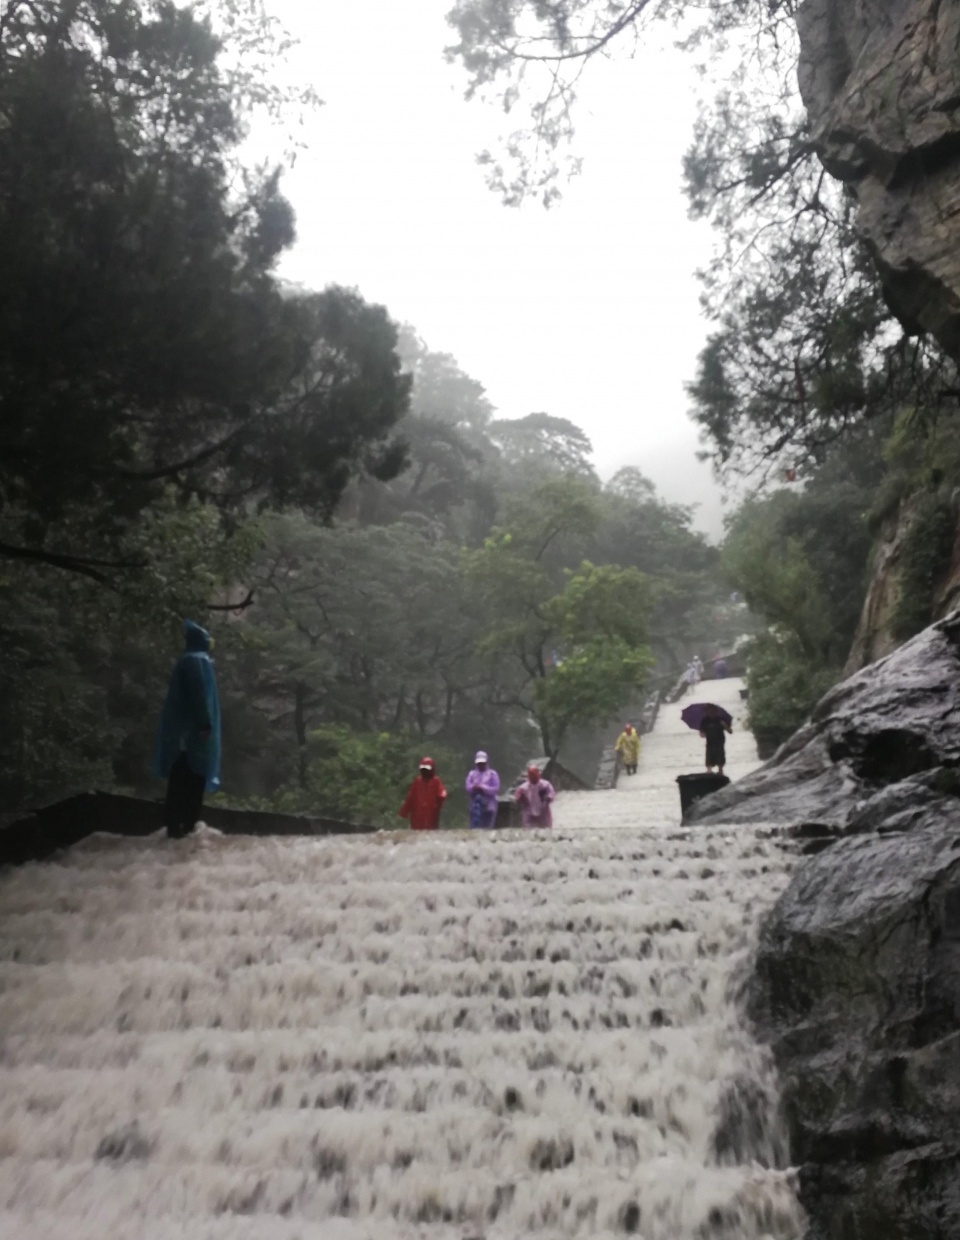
{"x":784,"y":685}
{"x":925,"y":552}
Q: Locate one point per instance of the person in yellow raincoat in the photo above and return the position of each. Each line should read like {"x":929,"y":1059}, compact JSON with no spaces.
{"x":628,"y":747}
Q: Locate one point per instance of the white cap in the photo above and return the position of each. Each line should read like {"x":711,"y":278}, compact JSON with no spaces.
{"x":481,"y":757}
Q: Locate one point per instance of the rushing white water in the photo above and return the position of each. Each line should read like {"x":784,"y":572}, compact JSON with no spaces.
{"x":459,"y":1035}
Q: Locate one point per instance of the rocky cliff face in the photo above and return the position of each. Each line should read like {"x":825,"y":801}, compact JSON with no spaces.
{"x":857,"y":978}
{"x":857,"y":982}
{"x":874,"y":636}
{"x":881,"y":82}
{"x":948,"y":591}
{"x":857,"y":988}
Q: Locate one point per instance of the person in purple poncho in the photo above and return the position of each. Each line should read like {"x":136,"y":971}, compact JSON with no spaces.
{"x":483,"y":784}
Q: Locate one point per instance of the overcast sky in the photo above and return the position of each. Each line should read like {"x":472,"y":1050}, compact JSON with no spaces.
{"x":588,"y":311}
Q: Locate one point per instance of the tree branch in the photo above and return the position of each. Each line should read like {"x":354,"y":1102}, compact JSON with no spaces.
{"x":87,"y":566}
{"x":597,"y":44}
{"x":234,"y":607}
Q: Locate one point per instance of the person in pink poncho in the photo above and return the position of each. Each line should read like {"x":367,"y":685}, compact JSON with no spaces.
{"x":535,"y":796}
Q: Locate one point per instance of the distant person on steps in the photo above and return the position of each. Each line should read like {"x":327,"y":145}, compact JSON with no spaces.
{"x":535,"y":796}
{"x":628,"y":747}
{"x":713,"y":730}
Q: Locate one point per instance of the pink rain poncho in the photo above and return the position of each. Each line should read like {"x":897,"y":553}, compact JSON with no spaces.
{"x":535,"y":796}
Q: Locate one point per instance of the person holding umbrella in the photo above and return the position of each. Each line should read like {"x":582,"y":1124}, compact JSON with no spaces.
{"x":712,"y":729}
{"x":713,"y":723}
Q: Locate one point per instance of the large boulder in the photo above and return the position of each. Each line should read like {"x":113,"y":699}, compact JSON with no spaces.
{"x":881,"y":82}
{"x":890,"y":735}
{"x":857,"y":989}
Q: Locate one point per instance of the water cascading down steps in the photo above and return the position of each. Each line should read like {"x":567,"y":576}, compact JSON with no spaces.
{"x":456,"y":1036}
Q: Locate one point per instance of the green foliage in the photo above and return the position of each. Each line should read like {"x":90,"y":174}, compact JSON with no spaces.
{"x":805,"y":355}
{"x":784,"y":685}
{"x":362,"y":624}
{"x":538,"y":615}
{"x":798,"y":362}
{"x":775,"y":574}
{"x":800,"y":555}
{"x":83,"y":669}
{"x":922,"y":450}
{"x":530,"y":55}
{"x":595,"y":681}
{"x":543,"y":445}
{"x":641,"y":530}
{"x":453,"y":474}
{"x":925,"y":553}
{"x":805,"y":351}
{"x":364,"y":777}
{"x":178,"y":431}
{"x":143,"y":336}
{"x":602,"y":603}
{"x":442,"y":392}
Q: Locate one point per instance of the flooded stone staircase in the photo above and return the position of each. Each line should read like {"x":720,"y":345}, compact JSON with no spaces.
{"x":461,"y":1035}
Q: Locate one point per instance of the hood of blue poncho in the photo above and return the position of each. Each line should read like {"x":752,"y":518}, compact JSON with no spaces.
{"x":196,"y":638}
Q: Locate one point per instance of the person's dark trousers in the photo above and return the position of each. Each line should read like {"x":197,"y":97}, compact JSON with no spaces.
{"x":184,"y":799}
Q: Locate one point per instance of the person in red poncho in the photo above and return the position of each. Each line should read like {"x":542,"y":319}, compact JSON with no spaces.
{"x":425,"y":799}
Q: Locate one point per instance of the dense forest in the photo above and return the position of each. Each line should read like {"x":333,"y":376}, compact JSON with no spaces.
{"x":387,"y":567}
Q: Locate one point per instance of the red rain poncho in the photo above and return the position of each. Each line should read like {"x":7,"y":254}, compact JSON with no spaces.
{"x":424,"y":800}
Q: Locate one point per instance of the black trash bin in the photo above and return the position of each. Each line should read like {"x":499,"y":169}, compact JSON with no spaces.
{"x":508,"y":813}
{"x":693,"y":787}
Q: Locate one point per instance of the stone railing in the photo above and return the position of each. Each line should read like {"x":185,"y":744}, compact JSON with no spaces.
{"x":44,"y":831}
{"x":609,"y":770}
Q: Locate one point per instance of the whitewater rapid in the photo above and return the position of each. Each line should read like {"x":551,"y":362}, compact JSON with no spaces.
{"x":458,"y":1035}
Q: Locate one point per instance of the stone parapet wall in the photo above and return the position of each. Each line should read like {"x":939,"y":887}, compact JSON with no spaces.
{"x":53,"y":827}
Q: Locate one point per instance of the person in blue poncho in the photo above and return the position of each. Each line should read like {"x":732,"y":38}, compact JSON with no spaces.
{"x":187,"y":753}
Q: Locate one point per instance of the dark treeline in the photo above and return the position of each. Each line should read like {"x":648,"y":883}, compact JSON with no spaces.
{"x":387,"y":568}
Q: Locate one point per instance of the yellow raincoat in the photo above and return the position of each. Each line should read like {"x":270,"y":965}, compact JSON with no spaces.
{"x":628,"y":747}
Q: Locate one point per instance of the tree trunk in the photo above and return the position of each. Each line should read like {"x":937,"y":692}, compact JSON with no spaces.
{"x":547,"y":738}
{"x":398,"y":713}
{"x":421,"y":715}
{"x":300,"y":728}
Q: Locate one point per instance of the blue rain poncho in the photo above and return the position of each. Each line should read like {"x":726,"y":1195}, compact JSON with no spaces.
{"x":192,"y":707}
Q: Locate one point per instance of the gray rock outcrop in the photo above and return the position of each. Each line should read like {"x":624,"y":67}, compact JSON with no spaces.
{"x":857,"y":989}
{"x":883,"y":743}
{"x":881,"y":82}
